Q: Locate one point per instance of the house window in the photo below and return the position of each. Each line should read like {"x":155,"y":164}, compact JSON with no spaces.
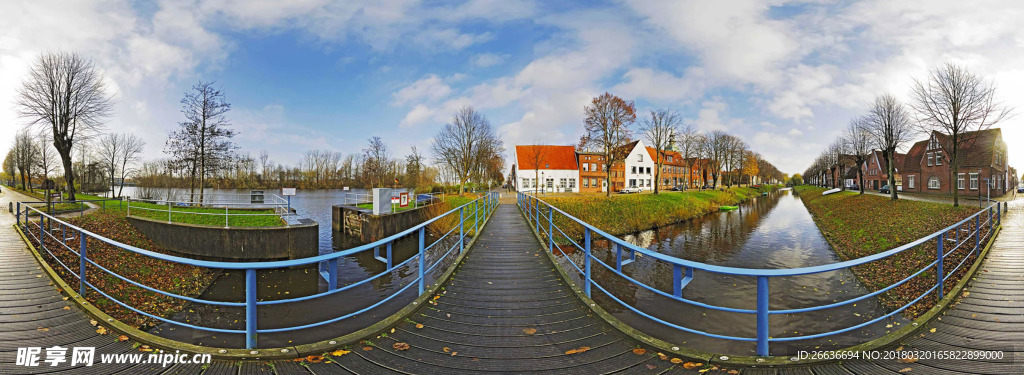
{"x":533,"y":182}
{"x":938,"y":157}
{"x":547,"y":165}
{"x":526,"y":182}
{"x":960,"y":181}
{"x":593,"y":167}
{"x":634,"y":169}
{"x":561,"y":183}
{"x":974,"y":181}
{"x":648,"y":170}
{"x":586,"y":182}
{"x":586,"y":167}
{"x":632,"y":182}
{"x":648,"y":182}
{"x":572,"y":183}
{"x":910,"y":181}
{"x":670,"y":158}
{"x":931,"y":157}
{"x":933,"y":182}
{"x":640,"y":158}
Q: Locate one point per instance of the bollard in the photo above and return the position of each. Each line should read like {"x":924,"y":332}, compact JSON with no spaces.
{"x":762,"y":316}
{"x":250,"y":308}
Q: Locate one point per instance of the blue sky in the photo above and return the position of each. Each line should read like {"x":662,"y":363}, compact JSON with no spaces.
{"x":786,"y":76}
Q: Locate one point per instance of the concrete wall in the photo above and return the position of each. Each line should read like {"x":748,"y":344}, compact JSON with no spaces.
{"x":245,"y":244}
{"x":362,"y":224}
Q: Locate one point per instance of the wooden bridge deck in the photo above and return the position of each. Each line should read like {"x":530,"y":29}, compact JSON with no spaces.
{"x":506,"y":310}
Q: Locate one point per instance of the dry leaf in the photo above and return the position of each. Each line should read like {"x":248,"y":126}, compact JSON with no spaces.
{"x":651,"y":367}
{"x":122,"y":338}
{"x":733,"y":372}
{"x":446,"y":349}
{"x":93,"y":322}
{"x":419,"y":325}
{"x":367,"y":348}
{"x":400,"y":346}
{"x":41,"y":329}
{"x":454,"y":353}
{"x":315,"y":358}
{"x":529,"y":331}
{"x":932,"y":330}
{"x":663,"y":356}
{"x":639,"y":351}
{"x":67,"y":307}
{"x":578,"y":350}
{"x":392,"y":330}
{"x":905,"y":369}
{"x":340,"y":352}
{"x":908,"y":360}
{"x":101,"y":330}
{"x":676,"y":360}
{"x":692,"y":365}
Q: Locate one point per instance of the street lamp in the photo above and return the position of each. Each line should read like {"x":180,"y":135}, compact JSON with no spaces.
{"x":542,"y":184}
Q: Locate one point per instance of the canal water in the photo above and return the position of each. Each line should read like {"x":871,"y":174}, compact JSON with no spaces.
{"x":303,"y":281}
{"x":772,"y":231}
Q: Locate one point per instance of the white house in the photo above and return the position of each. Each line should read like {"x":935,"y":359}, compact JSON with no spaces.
{"x":639,"y":168}
{"x":550,"y":168}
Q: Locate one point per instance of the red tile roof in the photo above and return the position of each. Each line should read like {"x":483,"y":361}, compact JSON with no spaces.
{"x":912,"y":161}
{"x":977,"y":151}
{"x":677,"y":159}
{"x":553,"y":157}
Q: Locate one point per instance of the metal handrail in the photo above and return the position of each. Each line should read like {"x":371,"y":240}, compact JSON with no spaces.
{"x":478,"y":209}
{"x":279,"y":210}
{"x":541,"y":217}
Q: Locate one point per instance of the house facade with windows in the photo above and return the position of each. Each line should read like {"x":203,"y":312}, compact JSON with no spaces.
{"x":876,"y":172}
{"x":983,"y":159}
{"x":636,"y":170}
{"x":593,"y":178}
{"x":546,"y":168}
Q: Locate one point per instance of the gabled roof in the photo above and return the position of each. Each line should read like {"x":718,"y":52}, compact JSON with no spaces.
{"x":912,"y":161}
{"x":677,"y":159}
{"x":554,"y":157}
{"x":976,"y":152}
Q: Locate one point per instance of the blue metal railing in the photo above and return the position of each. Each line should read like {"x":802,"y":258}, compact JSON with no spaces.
{"x":48,"y":227}
{"x":538,"y":212}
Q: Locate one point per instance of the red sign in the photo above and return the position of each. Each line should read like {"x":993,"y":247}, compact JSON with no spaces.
{"x":403,"y":199}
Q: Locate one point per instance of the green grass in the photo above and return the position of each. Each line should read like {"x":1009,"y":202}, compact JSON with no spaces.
{"x":860,"y":225}
{"x":202,"y":215}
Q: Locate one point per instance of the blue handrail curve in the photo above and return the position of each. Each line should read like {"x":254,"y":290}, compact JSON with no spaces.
{"x":482,"y":206}
{"x":540,"y":216}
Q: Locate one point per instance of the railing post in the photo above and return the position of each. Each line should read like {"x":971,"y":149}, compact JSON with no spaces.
{"x":537,"y":219}
{"x":17,"y":215}
{"x":168,"y":212}
{"x":82,"y":256}
{"x":422,"y":262}
{"x":938,"y":265}
{"x":551,"y":230}
{"x":250,"y":308}
{"x":999,"y":213}
{"x":762,"y":316}
{"x":677,"y":280}
{"x":462,"y":231}
{"x":389,"y":255}
{"x":586,"y":260}
{"x":226,"y":217}
{"x":332,"y":274}
{"x":977,"y":235}
{"x":42,"y":240}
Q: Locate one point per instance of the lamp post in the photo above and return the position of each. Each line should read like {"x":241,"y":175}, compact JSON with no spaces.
{"x":542,"y":184}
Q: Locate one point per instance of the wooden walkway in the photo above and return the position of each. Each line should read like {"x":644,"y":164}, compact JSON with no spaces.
{"x":506,"y":310}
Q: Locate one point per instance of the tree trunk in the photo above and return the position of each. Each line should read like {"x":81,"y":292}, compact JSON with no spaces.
{"x":69,"y":173}
{"x":657,"y":174}
{"x":860,"y":175}
{"x":890,"y":169}
{"x":954,"y":176}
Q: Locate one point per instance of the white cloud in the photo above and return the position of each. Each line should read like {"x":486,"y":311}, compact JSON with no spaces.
{"x":661,"y":86}
{"x":427,"y":89}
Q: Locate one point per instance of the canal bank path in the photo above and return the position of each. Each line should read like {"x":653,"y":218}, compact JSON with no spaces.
{"x":506,"y":310}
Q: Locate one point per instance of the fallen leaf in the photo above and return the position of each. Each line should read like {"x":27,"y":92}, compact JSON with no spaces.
{"x":578,"y":350}
{"x":400,"y":346}
{"x":676,"y":360}
{"x":454,"y":353}
{"x":446,"y":349}
{"x":692,"y":365}
{"x":41,"y":329}
{"x":392,"y":330}
{"x":651,"y":367}
{"x":419,"y":325}
{"x":101,"y":330}
{"x":122,"y":338}
{"x":65,"y":298}
{"x":93,"y":322}
{"x":905,"y":369}
{"x":67,"y":307}
{"x":367,"y":348}
{"x":733,"y":372}
{"x":639,"y":351}
{"x":340,"y":352}
{"x":932,"y":330}
{"x":315,"y":358}
{"x":908,"y":360}
{"x":529,"y":331}
{"x":662,"y":356}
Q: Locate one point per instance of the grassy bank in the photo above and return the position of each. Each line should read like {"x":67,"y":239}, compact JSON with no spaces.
{"x":167,"y":276}
{"x":630,"y":213}
{"x":861,"y":225}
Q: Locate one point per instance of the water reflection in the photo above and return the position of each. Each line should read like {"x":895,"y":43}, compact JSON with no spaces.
{"x":774,"y":231}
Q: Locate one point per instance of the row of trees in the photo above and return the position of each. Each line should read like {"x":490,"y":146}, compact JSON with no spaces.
{"x":608,"y":122}
{"x":951,"y":101}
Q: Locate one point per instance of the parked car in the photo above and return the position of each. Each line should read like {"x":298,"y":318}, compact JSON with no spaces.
{"x":1020,"y":189}
{"x":678,"y":188}
{"x":884,"y":190}
{"x":629,"y":190}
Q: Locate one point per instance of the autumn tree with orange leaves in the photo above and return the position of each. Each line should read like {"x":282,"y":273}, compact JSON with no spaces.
{"x":606,"y":127}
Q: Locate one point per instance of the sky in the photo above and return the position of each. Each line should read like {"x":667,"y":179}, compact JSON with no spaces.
{"x":785,"y":76}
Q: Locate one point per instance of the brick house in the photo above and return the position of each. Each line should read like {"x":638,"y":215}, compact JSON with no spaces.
{"x":927,"y":165}
{"x":876,"y":170}
{"x":546,"y":167}
{"x":674,"y":167}
{"x":592,"y":173}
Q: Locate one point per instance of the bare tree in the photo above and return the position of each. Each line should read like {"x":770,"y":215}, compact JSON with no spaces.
{"x":25,"y":155}
{"x":9,"y":166}
{"x":858,"y":141}
{"x":202,"y":144}
{"x":606,"y":127}
{"x":265,"y":166}
{"x":46,"y":159}
{"x":465,"y":144}
{"x":689,"y":142}
{"x":889,"y":124}
{"x":376,"y":160}
{"x":65,"y":94}
{"x":960,"y":105}
{"x":660,"y":129}
{"x":413,"y":168}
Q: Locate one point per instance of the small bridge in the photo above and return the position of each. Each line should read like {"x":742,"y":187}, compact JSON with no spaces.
{"x":505,"y":307}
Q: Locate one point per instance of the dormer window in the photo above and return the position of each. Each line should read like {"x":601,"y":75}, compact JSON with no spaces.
{"x":640,"y":158}
{"x":933,"y":143}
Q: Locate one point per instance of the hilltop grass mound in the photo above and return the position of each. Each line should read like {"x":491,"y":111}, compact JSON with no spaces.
{"x":861,"y":225}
